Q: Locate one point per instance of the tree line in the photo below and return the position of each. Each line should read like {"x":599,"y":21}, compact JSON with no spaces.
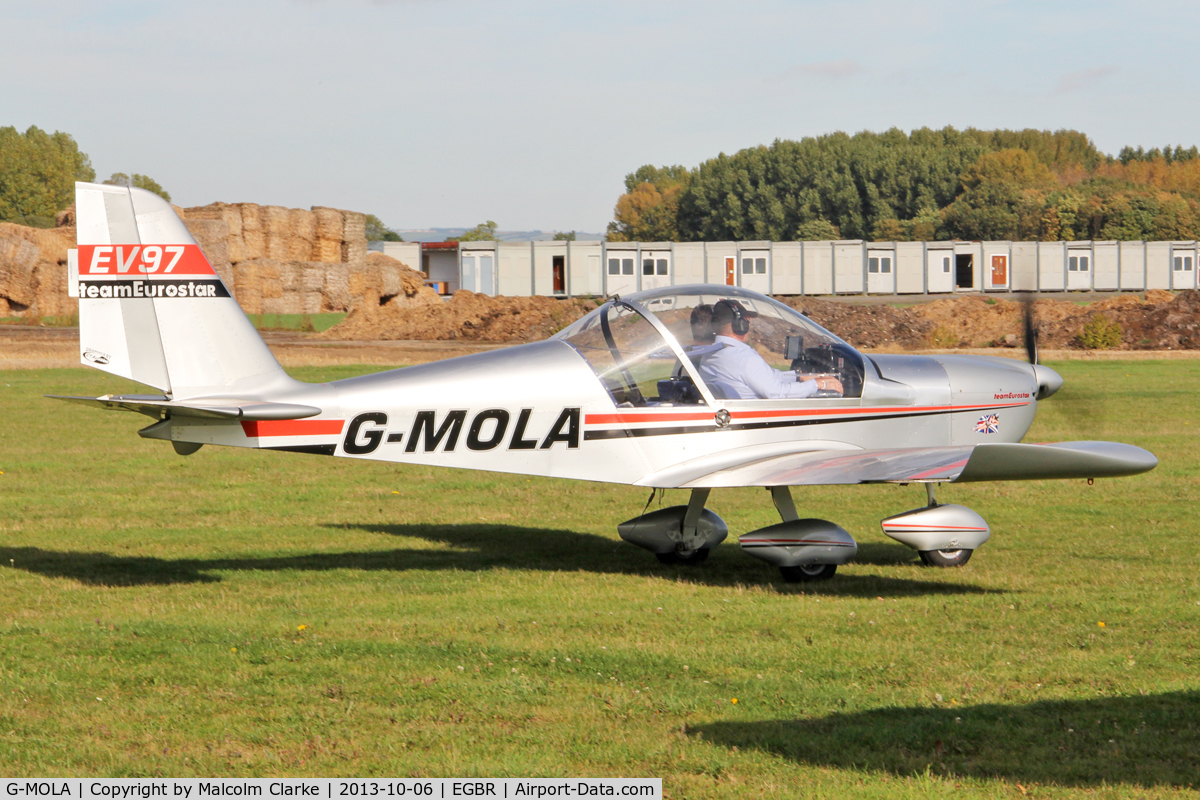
{"x":1025,"y":185}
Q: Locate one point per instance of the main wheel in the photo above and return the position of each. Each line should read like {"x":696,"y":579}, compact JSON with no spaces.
{"x":689,"y":560}
{"x":945,"y":558}
{"x":808,"y":572}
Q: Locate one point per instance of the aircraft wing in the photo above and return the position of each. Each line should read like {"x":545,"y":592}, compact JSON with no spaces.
{"x":981,"y":462}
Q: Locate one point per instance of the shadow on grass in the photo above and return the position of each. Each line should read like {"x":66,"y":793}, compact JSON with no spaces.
{"x":1141,"y":741}
{"x":473,"y":548}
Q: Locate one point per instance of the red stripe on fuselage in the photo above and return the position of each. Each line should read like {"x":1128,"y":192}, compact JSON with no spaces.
{"x":257,"y":429}
{"x":849,"y":413}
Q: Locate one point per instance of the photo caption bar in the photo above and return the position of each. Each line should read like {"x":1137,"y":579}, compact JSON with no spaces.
{"x":329,"y":788}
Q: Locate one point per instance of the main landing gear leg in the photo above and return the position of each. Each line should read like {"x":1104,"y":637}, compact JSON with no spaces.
{"x":688,"y":549}
{"x":782,"y":497}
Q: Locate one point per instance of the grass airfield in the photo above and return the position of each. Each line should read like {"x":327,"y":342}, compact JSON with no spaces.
{"x":236,"y":613}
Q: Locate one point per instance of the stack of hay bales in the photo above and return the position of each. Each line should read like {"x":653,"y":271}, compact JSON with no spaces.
{"x":275,"y":260}
{"x":280,"y":260}
{"x":33,"y":271}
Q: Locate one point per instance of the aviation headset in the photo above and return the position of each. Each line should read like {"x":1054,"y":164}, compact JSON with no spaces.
{"x":740,"y":325}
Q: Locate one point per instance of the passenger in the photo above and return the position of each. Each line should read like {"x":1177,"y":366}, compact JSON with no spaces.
{"x":702,"y":332}
{"x":738,"y":372}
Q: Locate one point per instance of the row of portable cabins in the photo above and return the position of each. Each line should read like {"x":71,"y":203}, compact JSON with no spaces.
{"x":566,"y":269}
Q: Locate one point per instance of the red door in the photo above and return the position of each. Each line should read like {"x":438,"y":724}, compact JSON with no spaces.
{"x":999,"y":270}
{"x":730,"y":271}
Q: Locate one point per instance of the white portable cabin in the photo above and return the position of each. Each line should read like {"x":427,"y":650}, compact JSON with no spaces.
{"x":1183,"y":265}
{"x":408,"y":253}
{"x":847,"y":267}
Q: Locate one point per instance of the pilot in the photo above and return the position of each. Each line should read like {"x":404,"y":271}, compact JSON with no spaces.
{"x":739,"y":372}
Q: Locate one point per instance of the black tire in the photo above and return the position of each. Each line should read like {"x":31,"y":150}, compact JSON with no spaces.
{"x":690,"y":560}
{"x":945,"y":558}
{"x":808,"y":572}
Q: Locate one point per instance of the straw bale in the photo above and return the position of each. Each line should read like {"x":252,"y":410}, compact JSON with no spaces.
{"x":292,"y":275}
{"x":327,"y":250}
{"x":255,"y":244}
{"x":235,"y":247}
{"x":213,"y":237}
{"x":355,"y":226}
{"x":337,"y":287}
{"x":247,"y":285}
{"x":210,"y":211}
{"x":65,"y":218}
{"x":288,"y":303}
{"x":330,"y":223}
{"x":299,"y":249}
{"x":354,"y":252}
{"x":233,"y":218}
{"x":251,"y":217}
{"x":303,"y":224}
{"x":277,"y":220}
{"x":18,"y":258}
{"x":311,"y":302}
{"x":277,"y":247}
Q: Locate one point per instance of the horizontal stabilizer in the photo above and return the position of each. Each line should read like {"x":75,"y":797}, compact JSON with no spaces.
{"x":158,"y":406}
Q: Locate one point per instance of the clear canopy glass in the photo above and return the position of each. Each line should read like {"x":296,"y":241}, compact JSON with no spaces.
{"x":643,"y":349}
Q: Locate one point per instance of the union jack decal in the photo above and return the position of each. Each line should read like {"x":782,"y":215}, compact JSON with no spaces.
{"x":988,"y":423}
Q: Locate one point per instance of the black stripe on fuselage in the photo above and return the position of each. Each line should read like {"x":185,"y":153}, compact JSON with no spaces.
{"x":750,"y":426}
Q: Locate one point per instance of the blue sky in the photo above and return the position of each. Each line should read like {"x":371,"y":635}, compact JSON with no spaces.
{"x":451,"y":112}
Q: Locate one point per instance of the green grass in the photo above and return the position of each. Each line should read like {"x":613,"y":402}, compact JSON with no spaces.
{"x":65,"y":321}
{"x":236,"y":613}
{"x":296,"y":322}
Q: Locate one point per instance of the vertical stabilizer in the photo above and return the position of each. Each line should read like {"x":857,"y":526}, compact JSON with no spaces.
{"x":151,"y":307}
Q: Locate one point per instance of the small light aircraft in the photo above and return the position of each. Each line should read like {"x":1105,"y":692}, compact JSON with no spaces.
{"x":618,"y":396}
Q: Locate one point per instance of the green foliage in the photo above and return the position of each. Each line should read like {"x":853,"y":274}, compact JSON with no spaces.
{"x":32,"y":221}
{"x":564,"y":236}
{"x":311,"y":323}
{"x":38,"y":171}
{"x":139,"y":182}
{"x":1100,"y":333}
{"x":892,"y":186}
{"x":1167,"y":154}
{"x":649,"y":209}
{"x":483,"y":232}
{"x":816,"y":230}
{"x":378,"y":232}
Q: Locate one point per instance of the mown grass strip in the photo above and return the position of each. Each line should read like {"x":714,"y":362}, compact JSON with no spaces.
{"x":244,"y":613}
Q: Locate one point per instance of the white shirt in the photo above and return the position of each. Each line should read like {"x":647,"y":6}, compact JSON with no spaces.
{"x":738,"y":372}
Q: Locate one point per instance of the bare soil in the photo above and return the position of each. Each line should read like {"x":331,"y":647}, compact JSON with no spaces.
{"x":1157,"y":321}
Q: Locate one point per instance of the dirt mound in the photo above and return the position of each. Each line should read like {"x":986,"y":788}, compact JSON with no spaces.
{"x":1162,"y":322}
{"x":876,"y":326}
{"x":467,"y":315}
